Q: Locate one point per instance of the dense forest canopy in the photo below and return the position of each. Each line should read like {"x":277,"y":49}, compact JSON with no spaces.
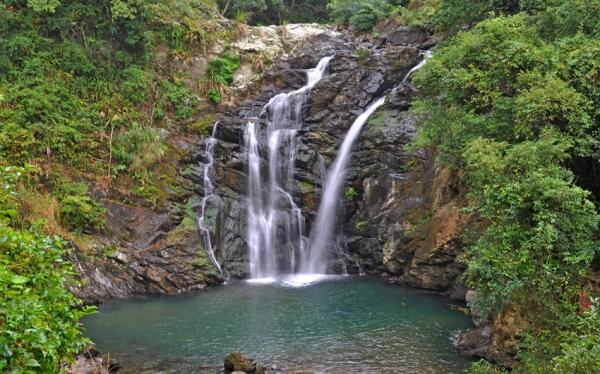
{"x":510,"y":101}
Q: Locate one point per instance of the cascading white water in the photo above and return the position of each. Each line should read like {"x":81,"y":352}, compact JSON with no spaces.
{"x":209,"y":194}
{"x":316,"y":262}
{"x":322,"y":236}
{"x":275,"y":221}
{"x":426,"y":56}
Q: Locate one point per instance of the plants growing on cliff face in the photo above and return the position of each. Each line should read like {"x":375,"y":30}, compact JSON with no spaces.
{"x":363,"y":15}
{"x":275,"y":12}
{"x":39,"y":317}
{"x":507,"y":108}
{"x":350,"y":193}
{"x":538,"y":243}
{"x":220,"y":72}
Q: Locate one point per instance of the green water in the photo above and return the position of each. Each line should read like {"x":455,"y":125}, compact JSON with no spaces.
{"x":351,"y":325}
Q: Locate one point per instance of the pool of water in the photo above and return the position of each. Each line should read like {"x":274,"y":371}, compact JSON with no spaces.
{"x":339,"y":325}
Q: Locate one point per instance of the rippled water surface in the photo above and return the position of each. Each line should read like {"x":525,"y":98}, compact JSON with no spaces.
{"x":348,"y":325}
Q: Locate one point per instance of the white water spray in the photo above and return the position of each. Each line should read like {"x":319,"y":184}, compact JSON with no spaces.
{"x":316,"y":263}
{"x":426,"y":56}
{"x":275,"y":221}
{"x":209,"y":194}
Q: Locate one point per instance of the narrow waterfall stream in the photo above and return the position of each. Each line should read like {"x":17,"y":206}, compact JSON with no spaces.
{"x":275,"y":221}
{"x":209,"y":194}
{"x":316,"y":262}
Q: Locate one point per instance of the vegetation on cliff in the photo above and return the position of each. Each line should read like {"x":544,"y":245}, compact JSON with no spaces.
{"x":512,"y":106}
{"x":82,"y":103}
{"x":39,"y":317}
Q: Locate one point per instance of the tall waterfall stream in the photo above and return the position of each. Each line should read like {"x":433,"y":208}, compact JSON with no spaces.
{"x":275,"y":221}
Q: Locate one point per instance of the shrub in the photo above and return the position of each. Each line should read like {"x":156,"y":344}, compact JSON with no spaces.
{"x":182,"y":99}
{"x":82,"y":214}
{"x":38,"y":315}
{"x":364,"y":19}
{"x":221,"y":69}
{"x":136,"y":85}
{"x":214,"y":95}
{"x":350,"y":194}
{"x":138,"y":148}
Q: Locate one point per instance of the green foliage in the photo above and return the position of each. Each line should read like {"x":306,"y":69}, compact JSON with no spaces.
{"x":363,"y":15}
{"x":182,"y":99}
{"x":136,"y":84}
{"x":220,"y":72}
{"x":484,"y":367}
{"x":364,"y":19}
{"x":221,"y":69}
{"x":511,"y":105}
{"x":42,"y":6}
{"x":350,"y":193}
{"x":215,"y":95}
{"x":580,"y":345}
{"x":499,"y":81}
{"x":39,"y":317}
{"x":9,"y":205}
{"x":538,"y":243}
{"x":274,"y":12}
{"x":81,"y":213}
{"x":363,"y":55}
{"x":204,"y":124}
{"x":138,"y":148}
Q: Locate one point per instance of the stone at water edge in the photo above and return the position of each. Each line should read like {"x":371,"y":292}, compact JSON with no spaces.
{"x":236,"y":362}
{"x":91,"y":362}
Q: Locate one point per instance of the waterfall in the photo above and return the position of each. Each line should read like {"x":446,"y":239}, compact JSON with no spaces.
{"x":276,"y":228}
{"x":209,"y":194}
{"x":322,"y":235}
{"x":326,"y":217}
{"x":275,"y":221}
{"x":426,"y":56}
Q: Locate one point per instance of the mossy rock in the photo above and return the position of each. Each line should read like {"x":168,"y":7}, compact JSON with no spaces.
{"x":236,"y":361}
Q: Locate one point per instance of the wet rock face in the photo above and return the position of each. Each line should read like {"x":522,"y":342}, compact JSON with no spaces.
{"x":496,"y":340}
{"x":401,"y":216}
{"x":350,"y":85}
{"x":150,"y":253}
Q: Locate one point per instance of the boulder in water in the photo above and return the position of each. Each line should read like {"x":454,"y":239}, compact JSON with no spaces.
{"x":236,"y":362}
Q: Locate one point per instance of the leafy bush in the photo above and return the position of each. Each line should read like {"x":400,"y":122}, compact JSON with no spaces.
{"x":364,"y":19}
{"x":361,"y":14}
{"x":484,"y":367}
{"x":214,"y":95}
{"x":274,"y":12}
{"x":9,"y":204}
{"x":350,"y":193}
{"x":539,"y":241}
{"x":138,"y":148}
{"x":81,"y":213}
{"x":39,"y":316}
{"x":182,"y":99}
{"x":509,"y":106}
{"x":222,"y":69}
{"x":136,"y":85}
{"x":580,"y":345}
